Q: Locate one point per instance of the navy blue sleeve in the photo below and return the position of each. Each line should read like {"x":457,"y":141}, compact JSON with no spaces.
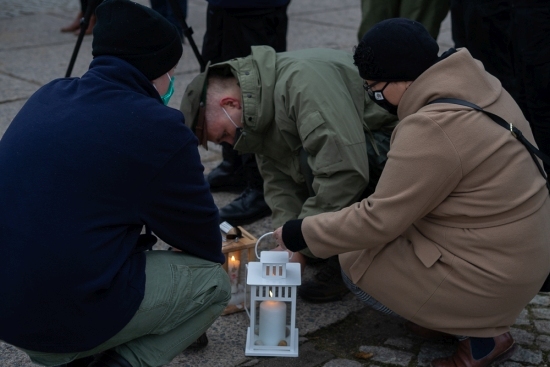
{"x":180,"y":209}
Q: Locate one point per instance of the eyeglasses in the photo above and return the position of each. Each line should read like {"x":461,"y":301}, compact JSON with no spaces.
{"x":368,"y":88}
{"x":378,"y":94}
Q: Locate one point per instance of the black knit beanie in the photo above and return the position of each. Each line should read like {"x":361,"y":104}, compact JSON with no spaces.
{"x":137,"y":34}
{"x":396,"y":49}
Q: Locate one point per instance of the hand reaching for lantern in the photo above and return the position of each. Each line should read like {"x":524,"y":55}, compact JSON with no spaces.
{"x":278,"y":237}
{"x":295,"y":257}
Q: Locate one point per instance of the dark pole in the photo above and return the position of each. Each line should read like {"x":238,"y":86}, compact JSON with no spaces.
{"x":84,"y":22}
{"x":187,"y":31}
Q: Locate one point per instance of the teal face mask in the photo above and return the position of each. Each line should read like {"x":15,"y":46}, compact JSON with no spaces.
{"x":166,"y":97}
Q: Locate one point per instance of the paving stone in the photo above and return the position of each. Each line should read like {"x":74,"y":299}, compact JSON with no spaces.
{"x":542,"y":326}
{"x":526,"y":356}
{"x":403,"y":343}
{"x":543,"y":341}
{"x":309,"y":357}
{"x":7,"y":113}
{"x":511,"y":364}
{"x":387,"y":355}
{"x":522,"y":336}
{"x":523,"y":318}
{"x":431,"y":351}
{"x":343,"y":363}
{"x":541,"y":299}
{"x":10,"y":356}
{"x":541,"y":313}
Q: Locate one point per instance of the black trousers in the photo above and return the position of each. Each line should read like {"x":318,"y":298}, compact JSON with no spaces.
{"x":164,"y":7}
{"x":229,"y":34}
{"x":512,"y":39}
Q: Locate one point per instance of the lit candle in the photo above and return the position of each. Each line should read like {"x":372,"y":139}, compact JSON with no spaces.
{"x":233,"y":270}
{"x":272,"y":322}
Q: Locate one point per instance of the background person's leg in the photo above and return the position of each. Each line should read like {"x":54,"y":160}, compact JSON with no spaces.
{"x":374,"y":11}
{"x":531,"y":44}
{"x":230,"y":32}
{"x":164,"y":7}
{"x":428,"y":12}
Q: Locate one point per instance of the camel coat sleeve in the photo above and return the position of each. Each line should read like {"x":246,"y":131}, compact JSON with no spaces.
{"x":415,"y":180}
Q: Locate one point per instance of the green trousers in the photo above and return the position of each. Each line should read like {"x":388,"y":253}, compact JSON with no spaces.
{"x":428,"y":12}
{"x":184,"y":295}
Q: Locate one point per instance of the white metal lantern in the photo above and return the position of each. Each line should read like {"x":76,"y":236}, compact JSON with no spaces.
{"x":273,"y":283}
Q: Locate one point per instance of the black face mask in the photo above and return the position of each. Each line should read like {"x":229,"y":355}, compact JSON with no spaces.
{"x":379,"y":99}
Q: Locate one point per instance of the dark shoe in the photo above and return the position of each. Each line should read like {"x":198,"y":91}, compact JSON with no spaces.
{"x":247,"y":208}
{"x":328,"y":285}
{"x":427,"y":333}
{"x":230,"y":174}
{"x":109,"y":358}
{"x":82,"y":362}
{"x":504,"y":348}
{"x":200,"y":343}
{"x":75,"y":25}
{"x":225,"y":178}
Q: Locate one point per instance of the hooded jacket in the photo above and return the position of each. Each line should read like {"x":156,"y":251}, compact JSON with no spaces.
{"x":313,"y":100}
{"x":456,"y":237}
{"x":85,"y":164}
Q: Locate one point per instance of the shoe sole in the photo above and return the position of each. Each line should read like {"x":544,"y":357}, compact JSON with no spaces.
{"x":506,"y":355}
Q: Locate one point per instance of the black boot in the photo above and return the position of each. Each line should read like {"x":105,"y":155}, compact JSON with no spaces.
{"x":250,"y":205}
{"x":245,"y":209}
{"x":200,"y":343}
{"x":327,"y":286}
{"x":228,"y":175}
{"x":110,"y":358}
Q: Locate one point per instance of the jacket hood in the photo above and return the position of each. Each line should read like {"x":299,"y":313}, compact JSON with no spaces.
{"x":456,"y":76}
{"x":256,"y":76}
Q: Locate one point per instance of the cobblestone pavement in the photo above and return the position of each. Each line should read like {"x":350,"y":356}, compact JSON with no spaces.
{"x":337,"y":334}
{"x":15,"y":8}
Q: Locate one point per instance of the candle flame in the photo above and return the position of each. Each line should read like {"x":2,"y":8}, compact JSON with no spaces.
{"x":270,"y":294}
{"x":233,"y":258}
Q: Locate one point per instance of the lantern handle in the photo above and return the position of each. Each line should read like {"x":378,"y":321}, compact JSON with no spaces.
{"x":246,"y":277}
{"x":258,"y":242}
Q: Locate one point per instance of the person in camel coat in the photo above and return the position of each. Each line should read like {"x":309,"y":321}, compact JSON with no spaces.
{"x":455,"y":239}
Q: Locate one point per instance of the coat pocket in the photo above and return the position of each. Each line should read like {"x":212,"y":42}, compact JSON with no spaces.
{"x":427,"y":252}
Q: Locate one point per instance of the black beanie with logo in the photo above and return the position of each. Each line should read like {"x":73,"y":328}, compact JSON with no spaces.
{"x":396,"y":49}
{"x":138,"y":35}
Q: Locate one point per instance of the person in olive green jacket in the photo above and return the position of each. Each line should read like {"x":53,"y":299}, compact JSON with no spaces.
{"x":307,"y":117}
